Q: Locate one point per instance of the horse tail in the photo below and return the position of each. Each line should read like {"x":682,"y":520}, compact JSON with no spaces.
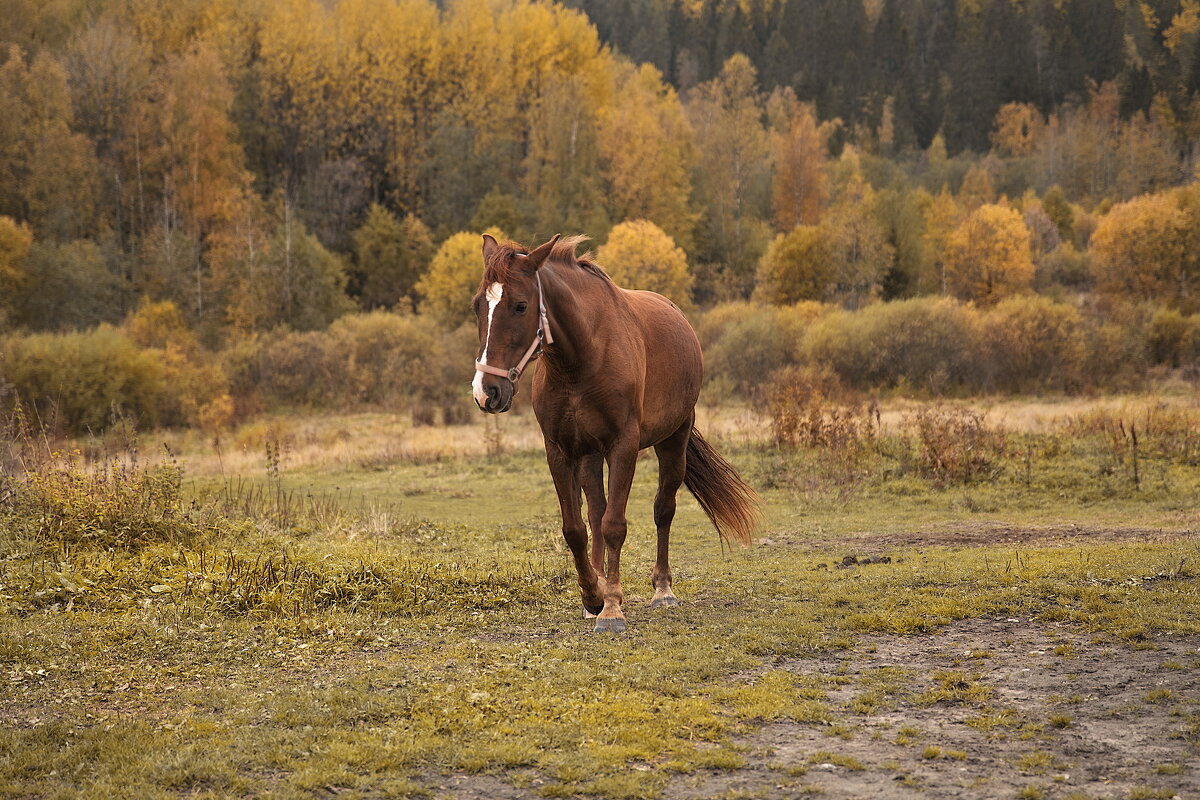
{"x":730,"y":502}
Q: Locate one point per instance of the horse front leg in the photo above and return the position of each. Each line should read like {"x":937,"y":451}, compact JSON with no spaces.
{"x":591,"y":478}
{"x":622,"y":461}
{"x":566,"y":485}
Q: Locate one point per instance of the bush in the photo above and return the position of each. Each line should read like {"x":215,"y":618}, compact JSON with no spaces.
{"x":954,"y":445}
{"x":750,"y":347}
{"x":78,"y":380}
{"x":114,"y":504}
{"x":378,"y":358}
{"x":1034,"y":343}
{"x":923,"y":343}
{"x":1174,"y":339}
{"x":809,"y":407}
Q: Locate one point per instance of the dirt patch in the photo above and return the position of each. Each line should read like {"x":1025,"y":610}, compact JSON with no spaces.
{"x":986,"y":533}
{"x":989,"y":708}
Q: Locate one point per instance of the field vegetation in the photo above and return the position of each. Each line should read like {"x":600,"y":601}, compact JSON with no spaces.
{"x":290,"y":619}
{"x":944,"y":262}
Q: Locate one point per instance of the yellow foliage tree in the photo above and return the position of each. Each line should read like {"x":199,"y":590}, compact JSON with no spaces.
{"x":795,"y":267}
{"x":798,"y":143}
{"x":47,"y":172}
{"x":988,"y":256}
{"x":453,"y":276}
{"x":646,"y":145}
{"x":15,"y":239}
{"x":1141,"y":249}
{"x":1018,"y":126}
{"x":182,"y":149}
{"x":640,"y":255}
{"x":942,"y":215}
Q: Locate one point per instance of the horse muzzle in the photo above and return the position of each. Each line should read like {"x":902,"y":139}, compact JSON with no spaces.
{"x":497,"y":396}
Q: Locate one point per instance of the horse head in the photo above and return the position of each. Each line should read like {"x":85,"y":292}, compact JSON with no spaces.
{"x":510,"y":313}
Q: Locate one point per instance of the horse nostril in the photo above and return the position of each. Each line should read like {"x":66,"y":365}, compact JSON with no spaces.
{"x":493,"y":393}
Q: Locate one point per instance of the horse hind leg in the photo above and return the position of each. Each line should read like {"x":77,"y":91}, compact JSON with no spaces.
{"x":591,"y":478}
{"x":672,"y":463}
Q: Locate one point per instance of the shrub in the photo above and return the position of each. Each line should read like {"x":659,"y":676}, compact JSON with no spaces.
{"x":749,"y":349}
{"x":1064,"y":265}
{"x":113,"y":504}
{"x":80,"y":379}
{"x":924,"y":342}
{"x":1034,"y":343}
{"x":377,"y":358}
{"x":1174,"y":339}
{"x":809,"y":407}
{"x":954,"y":445}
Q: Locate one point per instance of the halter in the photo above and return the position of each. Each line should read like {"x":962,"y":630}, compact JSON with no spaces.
{"x":543,"y":336}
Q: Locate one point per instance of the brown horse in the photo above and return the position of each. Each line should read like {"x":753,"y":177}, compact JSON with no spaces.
{"x":621,"y":372}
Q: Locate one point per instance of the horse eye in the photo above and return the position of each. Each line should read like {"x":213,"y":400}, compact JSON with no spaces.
{"x":520,"y":309}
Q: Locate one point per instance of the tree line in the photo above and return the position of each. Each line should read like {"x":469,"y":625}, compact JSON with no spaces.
{"x":271,"y":167}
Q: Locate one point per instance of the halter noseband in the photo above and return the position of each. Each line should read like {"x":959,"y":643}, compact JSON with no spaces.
{"x":543,"y":336}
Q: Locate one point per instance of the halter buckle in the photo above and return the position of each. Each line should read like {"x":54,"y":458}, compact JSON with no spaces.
{"x":514,"y":374}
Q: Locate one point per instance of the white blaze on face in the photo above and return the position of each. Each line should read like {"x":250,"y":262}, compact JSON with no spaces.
{"x":494,"y":293}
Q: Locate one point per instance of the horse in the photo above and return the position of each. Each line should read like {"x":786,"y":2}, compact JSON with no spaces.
{"x":620,"y":372}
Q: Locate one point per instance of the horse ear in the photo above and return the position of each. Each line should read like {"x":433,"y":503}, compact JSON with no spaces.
{"x":535,"y":259}
{"x":489,"y":245}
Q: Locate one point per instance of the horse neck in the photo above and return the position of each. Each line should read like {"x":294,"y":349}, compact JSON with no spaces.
{"x":576,"y":311}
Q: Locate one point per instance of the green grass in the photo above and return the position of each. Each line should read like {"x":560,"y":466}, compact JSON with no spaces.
{"x":436,"y":631}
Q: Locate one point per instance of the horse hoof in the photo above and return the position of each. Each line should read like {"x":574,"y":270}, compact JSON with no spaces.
{"x":667,"y":601}
{"x":609,"y":625}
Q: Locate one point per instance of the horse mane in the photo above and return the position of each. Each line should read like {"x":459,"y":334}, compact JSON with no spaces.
{"x":497,"y":267}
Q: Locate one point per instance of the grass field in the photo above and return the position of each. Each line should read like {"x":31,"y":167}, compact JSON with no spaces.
{"x":351,"y":607}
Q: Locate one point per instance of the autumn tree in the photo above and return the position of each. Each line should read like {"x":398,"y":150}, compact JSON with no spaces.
{"x":798,"y":148}
{"x":1144,"y":248}
{"x":1055,"y":204}
{"x":454,"y":274}
{"x":71,"y":285}
{"x":1017,"y":128}
{"x":285,"y":278}
{"x":390,"y":255}
{"x":561,"y":174}
{"x":15,"y":239}
{"x":942,"y":215}
{"x":732,"y":175}
{"x":976,"y":189}
{"x":640,"y":255}
{"x":182,"y":156}
{"x":899,"y":214}
{"x":47,"y":172}
{"x":860,"y":255}
{"x":646,"y":147}
{"x":796,"y":266}
{"x":988,"y":256}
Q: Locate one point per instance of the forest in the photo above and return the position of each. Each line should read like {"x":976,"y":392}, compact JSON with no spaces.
{"x":211,"y":208}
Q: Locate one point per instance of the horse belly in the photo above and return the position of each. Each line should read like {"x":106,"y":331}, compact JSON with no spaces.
{"x":674,"y":369}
